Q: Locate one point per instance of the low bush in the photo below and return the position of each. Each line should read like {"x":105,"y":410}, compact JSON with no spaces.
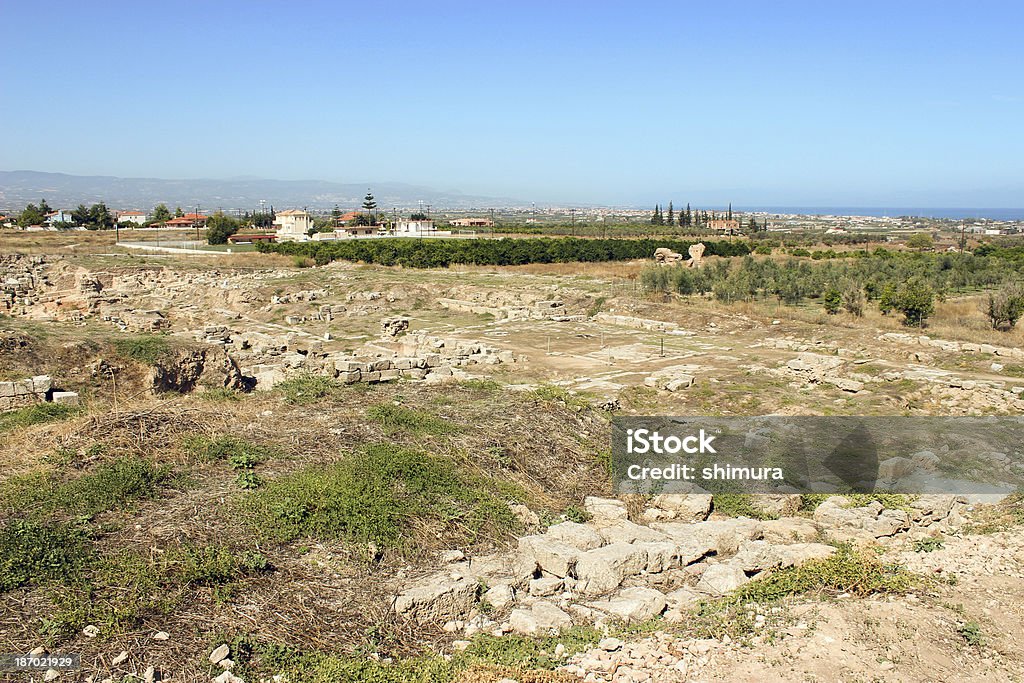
{"x":108,"y":486}
{"x":38,"y":552}
{"x":399,"y":418}
{"x":382,"y":494}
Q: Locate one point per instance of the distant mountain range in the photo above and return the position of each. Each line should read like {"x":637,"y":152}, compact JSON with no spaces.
{"x":61,"y":190}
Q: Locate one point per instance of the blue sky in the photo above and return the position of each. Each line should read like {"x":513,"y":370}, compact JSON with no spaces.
{"x":782,"y":103}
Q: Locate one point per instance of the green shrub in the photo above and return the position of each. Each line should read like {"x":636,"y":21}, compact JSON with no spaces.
{"x":846,"y":571}
{"x":399,"y":418}
{"x":574,"y":513}
{"x":109,"y":486}
{"x":239,"y":454}
{"x":381,"y":494}
{"x":37,"y":552}
{"x":249,"y":480}
{"x":928,"y":545}
{"x":833,"y":300}
{"x":971,"y":633}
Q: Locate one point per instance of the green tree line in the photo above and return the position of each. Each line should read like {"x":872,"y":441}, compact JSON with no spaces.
{"x":439,"y":253}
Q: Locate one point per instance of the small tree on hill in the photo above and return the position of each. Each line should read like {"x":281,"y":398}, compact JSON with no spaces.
{"x":920,"y":241}
{"x":1006,"y":307}
{"x":916,"y":301}
{"x":854,"y":298}
{"x":832,"y":300}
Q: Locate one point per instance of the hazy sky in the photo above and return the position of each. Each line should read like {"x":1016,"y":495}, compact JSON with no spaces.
{"x":772,"y":103}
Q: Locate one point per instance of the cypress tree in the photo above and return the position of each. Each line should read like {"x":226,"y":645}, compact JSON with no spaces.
{"x":671,"y":214}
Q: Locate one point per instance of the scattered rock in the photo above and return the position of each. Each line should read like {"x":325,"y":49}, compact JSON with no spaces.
{"x":220,"y":652}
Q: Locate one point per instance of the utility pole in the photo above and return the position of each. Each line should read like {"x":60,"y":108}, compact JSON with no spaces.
{"x":492,"y":223}
{"x":963,"y":236}
{"x":572,"y":212}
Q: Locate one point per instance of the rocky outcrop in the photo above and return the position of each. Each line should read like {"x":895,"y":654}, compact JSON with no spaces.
{"x":188,"y":369}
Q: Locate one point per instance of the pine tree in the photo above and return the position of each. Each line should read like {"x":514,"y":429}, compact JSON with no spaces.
{"x":671,"y":215}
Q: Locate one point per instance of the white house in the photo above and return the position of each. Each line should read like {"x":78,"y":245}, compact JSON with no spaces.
{"x":405,"y":228}
{"x":136,"y":217}
{"x":293,"y":225}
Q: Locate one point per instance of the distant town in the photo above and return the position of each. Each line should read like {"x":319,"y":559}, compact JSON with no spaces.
{"x":268,"y":223}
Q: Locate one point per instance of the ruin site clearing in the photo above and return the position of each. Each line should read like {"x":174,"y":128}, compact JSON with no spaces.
{"x":228,"y":467}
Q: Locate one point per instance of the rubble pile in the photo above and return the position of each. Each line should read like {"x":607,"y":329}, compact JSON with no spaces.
{"x":611,"y":570}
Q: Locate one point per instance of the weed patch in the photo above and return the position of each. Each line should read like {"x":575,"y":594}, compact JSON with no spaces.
{"x":399,"y":418}
{"x":738,"y":505}
{"x":809,"y":502}
{"x":514,"y":654}
{"x":38,"y":552}
{"x":928,"y":545}
{"x":146,"y":349}
{"x":383,"y":494}
{"x":39,"y":413}
{"x":307,"y":388}
{"x":109,"y":486}
{"x":845,"y":571}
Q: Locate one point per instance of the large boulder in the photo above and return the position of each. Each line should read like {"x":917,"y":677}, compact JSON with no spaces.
{"x":438,"y":599}
{"x":723,"y":536}
{"x":871,"y":520}
{"x":548,"y":555}
{"x":632,"y":605}
{"x":796,"y":554}
{"x":542,"y":618}
{"x":757,"y":556}
{"x":188,"y":369}
{"x":719,"y":579}
{"x":687,"y":507}
{"x":602,"y":570}
{"x":604,"y":510}
{"x":576,"y":535}
{"x":624,"y":531}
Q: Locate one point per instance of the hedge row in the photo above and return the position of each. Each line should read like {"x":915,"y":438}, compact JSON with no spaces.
{"x":439,"y":253}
